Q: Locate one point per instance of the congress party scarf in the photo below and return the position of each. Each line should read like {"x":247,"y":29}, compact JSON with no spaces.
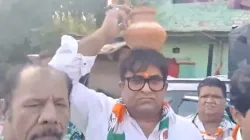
{"x":236,"y":133}
{"x":73,"y":133}
{"x":224,"y":130}
{"x":116,"y":131}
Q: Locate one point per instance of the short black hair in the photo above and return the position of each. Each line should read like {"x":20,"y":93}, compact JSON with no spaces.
{"x":240,"y":89}
{"x":12,"y":79}
{"x":138,"y":60}
{"x":213,"y":82}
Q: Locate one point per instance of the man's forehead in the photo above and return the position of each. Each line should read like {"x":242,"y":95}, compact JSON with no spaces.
{"x":210,"y":88}
{"x":42,"y":87}
{"x":36,"y":79}
{"x":28,"y":72}
{"x":150,"y":71}
{"x":207,"y":90}
{"x":43,"y":97}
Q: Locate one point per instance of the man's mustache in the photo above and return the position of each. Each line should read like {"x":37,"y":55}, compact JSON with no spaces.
{"x":48,"y":133}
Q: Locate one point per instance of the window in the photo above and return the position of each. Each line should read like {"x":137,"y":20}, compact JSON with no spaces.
{"x":175,"y":98}
{"x":187,"y":108}
{"x":176,"y":50}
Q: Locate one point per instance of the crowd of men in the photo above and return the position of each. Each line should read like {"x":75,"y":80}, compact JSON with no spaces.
{"x":42,"y":99}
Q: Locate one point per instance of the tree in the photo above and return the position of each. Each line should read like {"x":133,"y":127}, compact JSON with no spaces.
{"x":27,"y":26}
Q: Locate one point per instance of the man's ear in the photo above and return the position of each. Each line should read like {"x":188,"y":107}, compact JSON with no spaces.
{"x":236,"y":115}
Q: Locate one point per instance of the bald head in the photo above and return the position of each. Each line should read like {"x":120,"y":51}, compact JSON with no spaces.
{"x":35,"y":77}
{"x":34,"y":71}
{"x":38,"y":78}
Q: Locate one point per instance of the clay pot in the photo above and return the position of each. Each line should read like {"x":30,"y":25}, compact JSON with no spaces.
{"x":143,"y":31}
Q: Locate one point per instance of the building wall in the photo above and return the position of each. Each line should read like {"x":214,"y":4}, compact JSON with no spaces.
{"x":105,"y":73}
{"x":195,"y":49}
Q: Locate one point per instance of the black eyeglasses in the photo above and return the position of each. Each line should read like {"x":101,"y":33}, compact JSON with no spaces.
{"x":137,"y":83}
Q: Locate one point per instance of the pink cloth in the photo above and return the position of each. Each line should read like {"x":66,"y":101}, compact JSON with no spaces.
{"x":240,"y":4}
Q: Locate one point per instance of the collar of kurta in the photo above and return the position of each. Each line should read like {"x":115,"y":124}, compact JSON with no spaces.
{"x":119,"y":113}
{"x":238,"y":136}
{"x":222,"y":130}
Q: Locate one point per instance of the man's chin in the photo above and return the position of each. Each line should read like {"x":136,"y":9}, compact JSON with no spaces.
{"x":146,"y":109}
{"x":210,"y":112}
{"x":48,"y":138}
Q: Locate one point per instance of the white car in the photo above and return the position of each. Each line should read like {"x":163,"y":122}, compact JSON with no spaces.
{"x":182,"y":94}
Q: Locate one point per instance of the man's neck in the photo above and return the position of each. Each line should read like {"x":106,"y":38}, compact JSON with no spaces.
{"x":210,"y":125}
{"x":147,"y":122}
{"x":145,"y":116}
{"x":243,"y":137}
{"x":147,"y":125}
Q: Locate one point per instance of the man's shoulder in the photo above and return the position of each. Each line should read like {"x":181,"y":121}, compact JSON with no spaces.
{"x":190,"y":117}
{"x":183,"y":120}
{"x":187,"y":128}
{"x":184,"y":123}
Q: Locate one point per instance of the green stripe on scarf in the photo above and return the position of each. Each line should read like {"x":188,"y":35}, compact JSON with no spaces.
{"x":164,"y":124}
{"x":113,"y":136}
{"x":116,"y":131}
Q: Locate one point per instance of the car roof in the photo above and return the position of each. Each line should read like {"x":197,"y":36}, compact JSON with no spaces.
{"x":221,"y":77}
{"x":190,"y":84}
{"x":194,"y":98}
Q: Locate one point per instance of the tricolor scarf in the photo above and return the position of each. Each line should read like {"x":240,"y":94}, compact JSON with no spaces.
{"x":236,"y":134}
{"x":224,"y":130}
{"x":73,"y":133}
{"x":116,"y":131}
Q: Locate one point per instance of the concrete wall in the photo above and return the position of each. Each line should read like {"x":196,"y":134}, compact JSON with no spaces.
{"x":105,"y":73}
{"x":195,"y":49}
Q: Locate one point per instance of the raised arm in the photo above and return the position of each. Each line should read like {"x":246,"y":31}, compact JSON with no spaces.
{"x":76,"y":58}
{"x":85,"y":103}
{"x":115,"y":21}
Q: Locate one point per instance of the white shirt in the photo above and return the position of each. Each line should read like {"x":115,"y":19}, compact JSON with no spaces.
{"x":227,"y":127}
{"x":239,"y":135}
{"x":90,"y":110}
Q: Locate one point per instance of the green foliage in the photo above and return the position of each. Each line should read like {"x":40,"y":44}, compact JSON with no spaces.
{"x":28,"y":26}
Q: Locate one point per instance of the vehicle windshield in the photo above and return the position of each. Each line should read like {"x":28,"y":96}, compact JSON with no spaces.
{"x":187,"y":107}
{"x":188,"y":104}
{"x":174,"y":98}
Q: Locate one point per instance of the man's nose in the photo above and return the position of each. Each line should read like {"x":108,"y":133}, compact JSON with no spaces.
{"x":146,"y":88}
{"x":48,"y":114}
{"x":209,"y":100}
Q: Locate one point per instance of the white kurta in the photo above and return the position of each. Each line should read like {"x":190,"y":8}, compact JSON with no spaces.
{"x":90,"y":110}
{"x":239,"y":135}
{"x":227,"y":127}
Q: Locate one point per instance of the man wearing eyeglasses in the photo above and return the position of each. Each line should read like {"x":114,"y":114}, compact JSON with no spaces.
{"x":141,"y":113}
